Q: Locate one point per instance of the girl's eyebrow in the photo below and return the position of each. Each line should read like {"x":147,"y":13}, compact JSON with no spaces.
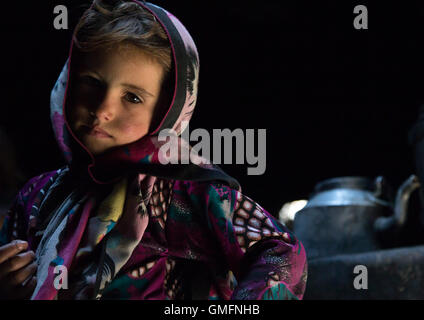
{"x":141,"y":90}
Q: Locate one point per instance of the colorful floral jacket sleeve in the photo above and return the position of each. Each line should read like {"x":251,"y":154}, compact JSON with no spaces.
{"x":15,"y":223}
{"x":265,"y":257}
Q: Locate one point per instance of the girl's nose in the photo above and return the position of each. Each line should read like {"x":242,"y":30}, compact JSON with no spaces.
{"x":106,"y":110}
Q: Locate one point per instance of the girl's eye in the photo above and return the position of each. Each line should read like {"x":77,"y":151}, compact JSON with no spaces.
{"x":132,"y":98}
{"x":91,"y":81}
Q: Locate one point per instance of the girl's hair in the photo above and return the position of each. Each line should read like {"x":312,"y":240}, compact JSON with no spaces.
{"x":108,"y":23}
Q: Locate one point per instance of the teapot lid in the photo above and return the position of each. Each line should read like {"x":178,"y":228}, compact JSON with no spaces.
{"x":358,"y":183}
{"x":345,"y":191}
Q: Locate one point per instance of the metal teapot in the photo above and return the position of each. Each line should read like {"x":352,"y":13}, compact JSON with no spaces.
{"x":348,"y":215}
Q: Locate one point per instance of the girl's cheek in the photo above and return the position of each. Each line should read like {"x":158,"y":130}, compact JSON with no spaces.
{"x":133,"y":130}
{"x":128,"y":129}
{"x":76,"y":113}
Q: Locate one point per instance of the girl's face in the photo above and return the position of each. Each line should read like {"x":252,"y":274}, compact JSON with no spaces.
{"x":113,"y":97}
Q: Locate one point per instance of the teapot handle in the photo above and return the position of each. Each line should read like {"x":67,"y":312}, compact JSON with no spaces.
{"x":398,"y":219}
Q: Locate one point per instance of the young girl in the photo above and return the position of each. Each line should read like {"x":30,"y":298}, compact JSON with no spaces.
{"x":117,"y":221}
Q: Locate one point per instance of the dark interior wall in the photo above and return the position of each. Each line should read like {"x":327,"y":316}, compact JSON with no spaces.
{"x":335,"y":101}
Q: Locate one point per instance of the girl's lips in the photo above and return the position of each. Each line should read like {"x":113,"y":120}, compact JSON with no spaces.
{"x":99,"y":133}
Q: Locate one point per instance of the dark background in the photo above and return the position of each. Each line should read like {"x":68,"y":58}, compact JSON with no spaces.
{"x":335,"y":101}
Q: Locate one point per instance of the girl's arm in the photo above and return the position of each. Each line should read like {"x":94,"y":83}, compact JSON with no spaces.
{"x":16,"y":221}
{"x":9,"y":229}
{"x":266,"y":258}
{"x":17,"y":265}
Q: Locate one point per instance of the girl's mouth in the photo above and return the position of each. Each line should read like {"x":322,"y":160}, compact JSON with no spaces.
{"x":98,"y":132}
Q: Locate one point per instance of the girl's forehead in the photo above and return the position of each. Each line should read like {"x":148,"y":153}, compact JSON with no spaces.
{"x":119,"y":54}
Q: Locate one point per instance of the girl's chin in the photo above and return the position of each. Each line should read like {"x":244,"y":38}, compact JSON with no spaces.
{"x":95,"y":148}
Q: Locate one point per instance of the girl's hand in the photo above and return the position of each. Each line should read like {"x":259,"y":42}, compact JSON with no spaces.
{"x":16,"y":266}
